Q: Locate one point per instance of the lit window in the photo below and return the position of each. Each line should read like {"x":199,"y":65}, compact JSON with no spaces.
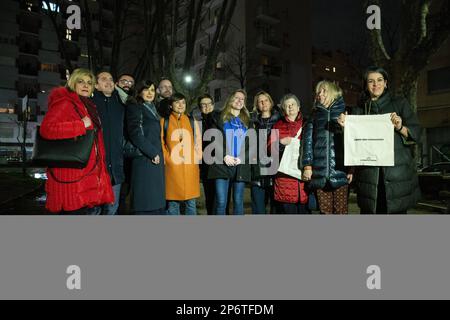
{"x":327,"y":69}
{"x":69,"y":34}
{"x":53,"y":6}
{"x":334,"y":69}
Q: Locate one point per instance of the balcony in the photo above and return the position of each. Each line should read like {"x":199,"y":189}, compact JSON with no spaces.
{"x":269,"y":71}
{"x":51,"y":78}
{"x":262,"y":14}
{"x":28,"y":71}
{"x":29,"y":49}
{"x":270,"y":45}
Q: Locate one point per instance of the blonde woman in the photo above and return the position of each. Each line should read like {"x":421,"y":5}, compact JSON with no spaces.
{"x":70,"y":114}
{"x":323,"y":148}
{"x":234,"y":169}
{"x":264,"y":117}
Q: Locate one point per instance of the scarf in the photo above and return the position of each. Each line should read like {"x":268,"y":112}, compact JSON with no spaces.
{"x":92,"y":111}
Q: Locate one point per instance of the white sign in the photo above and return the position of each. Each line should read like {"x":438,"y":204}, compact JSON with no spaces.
{"x":369,"y":141}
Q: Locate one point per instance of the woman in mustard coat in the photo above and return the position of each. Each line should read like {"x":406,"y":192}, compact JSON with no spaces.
{"x":182,"y":153}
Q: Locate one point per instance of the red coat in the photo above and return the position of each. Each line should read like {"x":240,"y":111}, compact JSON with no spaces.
{"x":288,"y":189}
{"x":63,"y":122}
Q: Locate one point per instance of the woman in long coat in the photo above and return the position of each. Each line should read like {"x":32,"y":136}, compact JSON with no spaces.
{"x":183,"y":153}
{"x":388,"y":190}
{"x":147,"y":175}
{"x":70,"y":114}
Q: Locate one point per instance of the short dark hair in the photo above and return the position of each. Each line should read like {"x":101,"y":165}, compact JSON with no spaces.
{"x":103,"y":71}
{"x":164,"y":79}
{"x":176,"y":97}
{"x":204,"y":96}
{"x":375,"y":69}
{"x":125,"y":74}
{"x":141,"y":86}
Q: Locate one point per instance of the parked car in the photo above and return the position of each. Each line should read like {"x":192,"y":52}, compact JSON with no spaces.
{"x":435,"y":179}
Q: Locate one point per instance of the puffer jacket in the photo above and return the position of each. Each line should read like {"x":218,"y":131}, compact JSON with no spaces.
{"x":288,"y":189}
{"x":323,"y":147}
{"x":401,"y":182}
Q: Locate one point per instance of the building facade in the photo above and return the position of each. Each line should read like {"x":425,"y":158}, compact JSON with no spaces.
{"x":269,"y":40}
{"x":433,"y":107}
{"x":31,"y":63}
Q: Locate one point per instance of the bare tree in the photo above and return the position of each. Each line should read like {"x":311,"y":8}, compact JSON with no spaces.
{"x":162,"y":23}
{"x":424,"y":27}
{"x":239,"y":65}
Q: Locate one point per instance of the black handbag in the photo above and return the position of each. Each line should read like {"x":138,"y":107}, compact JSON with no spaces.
{"x":65,"y":153}
{"x":130,"y":151}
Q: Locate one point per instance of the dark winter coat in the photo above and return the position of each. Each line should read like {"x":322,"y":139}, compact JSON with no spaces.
{"x":222,"y":171}
{"x":148,"y":188}
{"x":401,"y":182}
{"x":258,"y":123}
{"x":112,"y":114}
{"x":93,"y":186}
{"x":288,"y":189}
{"x":323,"y":147}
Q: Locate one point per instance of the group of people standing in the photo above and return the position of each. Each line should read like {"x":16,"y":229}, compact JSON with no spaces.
{"x":146,"y":140}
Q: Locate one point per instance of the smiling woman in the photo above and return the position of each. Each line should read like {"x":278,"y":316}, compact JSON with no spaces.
{"x":71,"y":114}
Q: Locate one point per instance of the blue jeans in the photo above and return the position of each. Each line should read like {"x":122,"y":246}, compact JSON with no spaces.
{"x":222,"y":196}
{"x":174,"y":208}
{"x":111,"y":209}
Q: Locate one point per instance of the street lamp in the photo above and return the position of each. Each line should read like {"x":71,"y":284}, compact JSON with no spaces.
{"x":188,"y":79}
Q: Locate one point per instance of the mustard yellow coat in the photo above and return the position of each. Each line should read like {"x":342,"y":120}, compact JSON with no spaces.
{"x":182,"y":157}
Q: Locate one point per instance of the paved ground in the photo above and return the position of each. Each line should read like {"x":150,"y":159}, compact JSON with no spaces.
{"x":29,"y":196}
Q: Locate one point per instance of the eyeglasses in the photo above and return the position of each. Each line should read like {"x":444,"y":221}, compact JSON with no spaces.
{"x":124,"y":81}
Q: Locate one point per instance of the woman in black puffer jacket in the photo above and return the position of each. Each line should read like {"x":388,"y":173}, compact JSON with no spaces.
{"x":388,"y":190}
{"x":323,"y":151}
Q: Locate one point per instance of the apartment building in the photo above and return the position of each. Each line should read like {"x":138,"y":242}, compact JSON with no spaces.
{"x":336,"y":66}
{"x":31,"y":63}
{"x":275,"y":42}
{"x":433,"y":101}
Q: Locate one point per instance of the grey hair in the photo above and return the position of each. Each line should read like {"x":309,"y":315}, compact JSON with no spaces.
{"x":287,"y":97}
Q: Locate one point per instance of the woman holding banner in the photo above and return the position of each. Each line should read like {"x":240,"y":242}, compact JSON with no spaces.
{"x":289,"y":191}
{"x":388,"y":190}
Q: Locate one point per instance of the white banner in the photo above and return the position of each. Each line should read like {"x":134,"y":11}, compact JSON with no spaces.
{"x":369,"y":141}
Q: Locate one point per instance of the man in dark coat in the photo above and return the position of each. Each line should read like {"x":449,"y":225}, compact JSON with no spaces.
{"x":111,"y":112}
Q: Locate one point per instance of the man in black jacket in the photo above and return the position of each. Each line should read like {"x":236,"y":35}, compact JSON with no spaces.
{"x":111,"y":112}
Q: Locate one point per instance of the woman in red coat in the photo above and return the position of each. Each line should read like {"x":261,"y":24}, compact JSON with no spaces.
{"x":70,"y":114}
{"x":289,"y":191}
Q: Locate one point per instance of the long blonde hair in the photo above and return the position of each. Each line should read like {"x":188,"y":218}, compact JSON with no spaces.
{"x":244,"y":115}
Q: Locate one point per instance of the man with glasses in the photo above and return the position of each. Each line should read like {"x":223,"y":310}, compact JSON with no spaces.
{"x":125,"y":88}
{"x":126,"y":83}
{"x":112,"y":113}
